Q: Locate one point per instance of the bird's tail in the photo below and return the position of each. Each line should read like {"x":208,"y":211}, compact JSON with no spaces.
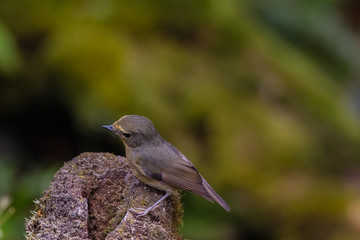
{"x":214,"y":195}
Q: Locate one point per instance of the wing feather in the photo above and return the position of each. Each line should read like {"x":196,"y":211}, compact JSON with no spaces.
{"x":186,"y":177}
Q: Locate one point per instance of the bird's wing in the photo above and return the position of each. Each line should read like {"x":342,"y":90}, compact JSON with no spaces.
{"x":185,"y":176}
{"x":172,"y":167}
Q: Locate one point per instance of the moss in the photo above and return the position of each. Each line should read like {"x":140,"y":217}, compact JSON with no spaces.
{"x":178,"y":211}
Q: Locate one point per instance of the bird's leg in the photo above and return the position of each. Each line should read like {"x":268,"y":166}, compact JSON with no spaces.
{"x":144,"y":211}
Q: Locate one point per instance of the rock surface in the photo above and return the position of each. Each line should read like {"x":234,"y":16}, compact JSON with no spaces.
{"x":90,"y":198}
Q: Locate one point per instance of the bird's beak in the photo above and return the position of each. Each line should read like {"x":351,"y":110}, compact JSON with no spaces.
{"x":109,"y":127}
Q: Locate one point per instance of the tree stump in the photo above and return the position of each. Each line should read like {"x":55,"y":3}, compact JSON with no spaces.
{"x":90,"y":198}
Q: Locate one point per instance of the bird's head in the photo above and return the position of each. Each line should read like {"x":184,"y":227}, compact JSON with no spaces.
{"x":135,"y":130}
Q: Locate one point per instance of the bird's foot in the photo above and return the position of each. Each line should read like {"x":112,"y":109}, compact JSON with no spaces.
{"x":139,"y":211}
{"x":142,"y":211}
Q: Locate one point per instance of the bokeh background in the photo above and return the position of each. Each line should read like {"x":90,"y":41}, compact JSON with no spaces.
{"x":262,"y":96}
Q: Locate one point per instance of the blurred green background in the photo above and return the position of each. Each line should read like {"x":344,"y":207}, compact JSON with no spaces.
{"x":262,"y":96}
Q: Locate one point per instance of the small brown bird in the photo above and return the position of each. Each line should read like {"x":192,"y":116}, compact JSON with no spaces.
{"x":158,"y":163}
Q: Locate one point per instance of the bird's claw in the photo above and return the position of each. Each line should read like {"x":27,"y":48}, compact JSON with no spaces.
{"x":139,"y":211}
{"x":142,"y":211}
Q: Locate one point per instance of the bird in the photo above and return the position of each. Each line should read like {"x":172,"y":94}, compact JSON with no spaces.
{"x":159,"y":164}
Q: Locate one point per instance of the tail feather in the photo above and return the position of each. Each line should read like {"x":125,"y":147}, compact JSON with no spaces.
{"x":214,"y":195}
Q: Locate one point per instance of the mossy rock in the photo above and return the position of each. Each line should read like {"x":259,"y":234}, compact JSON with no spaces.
{"x":90,"y":198}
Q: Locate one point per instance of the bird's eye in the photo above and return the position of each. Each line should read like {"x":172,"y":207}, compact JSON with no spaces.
{"x":127,"y":135}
